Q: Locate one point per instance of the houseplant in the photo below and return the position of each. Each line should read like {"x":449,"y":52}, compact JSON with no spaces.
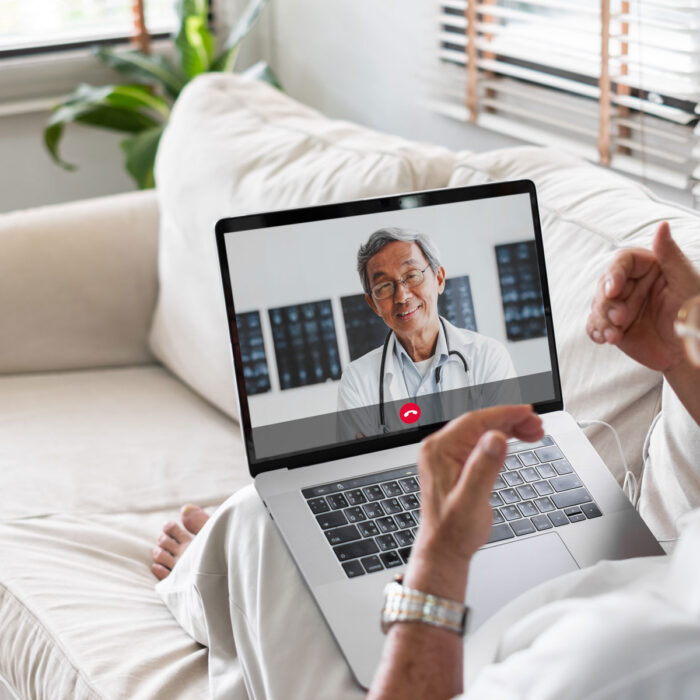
{"x":141,"y":108}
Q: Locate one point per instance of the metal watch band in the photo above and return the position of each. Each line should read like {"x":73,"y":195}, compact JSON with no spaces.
{"x":403,"y":604}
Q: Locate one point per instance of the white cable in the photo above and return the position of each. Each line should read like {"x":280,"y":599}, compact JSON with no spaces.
{"x":630,"y":486}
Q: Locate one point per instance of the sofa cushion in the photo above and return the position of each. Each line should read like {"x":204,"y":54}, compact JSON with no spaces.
{"x":236,"y":146}
{"x":105,"y":441}
{"x":588,"y":213}
{"x":78,"y":284}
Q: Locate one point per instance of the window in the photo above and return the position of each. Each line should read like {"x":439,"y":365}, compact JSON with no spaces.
{"x":31,"y":26}
{"x":616,"y":81}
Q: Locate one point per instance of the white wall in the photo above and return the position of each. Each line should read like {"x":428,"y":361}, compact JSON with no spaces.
{"x":303,"y":263}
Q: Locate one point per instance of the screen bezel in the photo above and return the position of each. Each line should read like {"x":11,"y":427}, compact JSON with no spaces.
{"x":360,"y":207}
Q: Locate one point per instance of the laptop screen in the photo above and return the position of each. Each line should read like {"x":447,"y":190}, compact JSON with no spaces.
{"x":364,"y":325}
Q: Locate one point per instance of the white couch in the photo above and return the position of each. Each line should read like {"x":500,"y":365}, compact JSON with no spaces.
{"x":116,"y":393}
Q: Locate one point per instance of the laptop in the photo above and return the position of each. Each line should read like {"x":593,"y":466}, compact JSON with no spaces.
{"x":334,"y":461}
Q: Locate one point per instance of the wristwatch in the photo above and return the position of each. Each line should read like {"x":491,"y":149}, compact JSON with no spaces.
{"x":403,"y":604}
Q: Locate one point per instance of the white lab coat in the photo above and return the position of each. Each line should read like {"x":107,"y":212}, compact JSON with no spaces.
{"x":487,"y":359}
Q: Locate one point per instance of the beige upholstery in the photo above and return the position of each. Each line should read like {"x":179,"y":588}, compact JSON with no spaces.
{"x":78,"y":284}
{"x":236,"y":146}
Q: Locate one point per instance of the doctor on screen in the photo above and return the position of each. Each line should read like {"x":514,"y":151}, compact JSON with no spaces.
{"x":423,"y":353}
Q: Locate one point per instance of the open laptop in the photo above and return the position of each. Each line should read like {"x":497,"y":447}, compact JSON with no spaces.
{"x":340,"y":479}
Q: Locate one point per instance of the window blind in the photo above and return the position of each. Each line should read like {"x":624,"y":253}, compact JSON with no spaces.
{"x":616,"y":81}
{"x":35,"y":25}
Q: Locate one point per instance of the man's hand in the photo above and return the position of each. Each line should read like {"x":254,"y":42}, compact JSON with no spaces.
{"x":637,"y":300}
{"x":458,"y":466}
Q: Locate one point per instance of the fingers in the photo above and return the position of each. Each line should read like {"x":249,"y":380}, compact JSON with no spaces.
{"x":628,"y":264}
{"x":480,"y":472}
{"x":674,"y":264}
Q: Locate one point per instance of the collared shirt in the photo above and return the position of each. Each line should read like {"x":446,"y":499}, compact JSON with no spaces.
{"x":417,"y":384}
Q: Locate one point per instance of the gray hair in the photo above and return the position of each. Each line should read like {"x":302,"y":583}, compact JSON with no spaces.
{"x":382,"y":237}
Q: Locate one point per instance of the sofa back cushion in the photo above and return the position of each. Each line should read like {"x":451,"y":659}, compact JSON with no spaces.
{"x":78,"y":284}
{"x":587,"y":214}
{"x":235,"y":146}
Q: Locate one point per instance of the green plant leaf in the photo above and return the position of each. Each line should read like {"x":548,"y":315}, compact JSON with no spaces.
{"x":91,"y":105}
{"x":227,"y":59}
{"x":188,"y":8}
{"x":140,"y":156}
{"x":148,"y":70}
{"x":261,"y":71}
{"x":195,"y":45}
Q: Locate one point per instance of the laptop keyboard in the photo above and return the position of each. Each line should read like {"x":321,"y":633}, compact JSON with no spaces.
{"x":371,"y":521}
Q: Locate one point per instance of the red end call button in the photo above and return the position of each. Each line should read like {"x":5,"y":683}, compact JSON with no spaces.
{"x":410,"y":412}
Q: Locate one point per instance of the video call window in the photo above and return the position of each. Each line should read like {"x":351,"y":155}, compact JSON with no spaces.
{"x":255,"y":370}
{"x":520,"y":290}
{"x":365,"y":331}
{"x":306,"y":348}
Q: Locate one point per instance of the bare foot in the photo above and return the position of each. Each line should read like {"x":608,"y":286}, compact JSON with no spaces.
{"x":175,"y":538}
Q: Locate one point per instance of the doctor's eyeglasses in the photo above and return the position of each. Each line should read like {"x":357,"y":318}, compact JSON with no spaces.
{"x":687,"y":327}
{"x":413,"y":278}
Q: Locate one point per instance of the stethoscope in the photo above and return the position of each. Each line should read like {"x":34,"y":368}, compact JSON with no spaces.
{"x":382,"y":364}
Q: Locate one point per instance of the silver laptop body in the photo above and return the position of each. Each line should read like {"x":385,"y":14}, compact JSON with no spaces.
{"x":557,"y":506}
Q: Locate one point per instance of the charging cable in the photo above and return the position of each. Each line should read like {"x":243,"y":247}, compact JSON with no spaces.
{"x":630,"y":486}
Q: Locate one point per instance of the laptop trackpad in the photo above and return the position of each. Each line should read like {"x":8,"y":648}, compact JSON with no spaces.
{"x":500,"y":574}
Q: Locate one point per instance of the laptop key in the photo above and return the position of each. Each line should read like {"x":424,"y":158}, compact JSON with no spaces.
{"x":416,"y":515}
{"x":526,"y":492}
{"x":386,"y":542}
{"x":409,"y":501}
{"x":509,"y":495}
{"x":522,"y":527}
{"x":549,"y":454}
{"x":512,"y":462}
{"x":342,"y":534}
{"x":409,"y":485}
{"x":562,"y":466}
{"x":353,"y":569}
{"x":390,"y":559}
{"x":572,"y":510}
{"x":530,"y":474}
{"x":386,"y":524}
{"x":332,"y":519}
{"x":546,"y":471}
{"x":368,"y":529}
{"x":373,"y":493}
{"x":528,"y":459}
{"x":571,"y":498}
{"x":391,"y":506}
{"x":513,"y":478}
{"x":497,"y":517}
{"x":541,"y":522}
{"x":558,"y":518}
{"x":405,"y":553}
{"x":499,"y":483}
{"x":356,"y":497}
{"x":318,"y":505}
{"x":544,"y":505}
{"x":500,"y":532}
{"x":392,"y":488}
{"x":510,"y":512}
{"x":404,"y":520}
{"x":591,"y":510}
{"x":576,"y":517}
{"x":495,"y":500}
{"x":564,"y":483}
{"x":337,"y":501}
{"x":405,"y":538}
{"x":528,"y":509}
{"x":373,"y":510}
{"x":372,"y":564}
{"x":543,"y":488}
{"x":354,"y":515}
{"x":353,"y":550}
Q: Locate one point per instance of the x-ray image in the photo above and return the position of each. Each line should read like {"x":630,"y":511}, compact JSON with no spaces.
{"x":255,"y":370}
{"x":306,"y":348}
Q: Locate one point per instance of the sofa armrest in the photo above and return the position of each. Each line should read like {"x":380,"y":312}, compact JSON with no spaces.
{"x":78,"y":284}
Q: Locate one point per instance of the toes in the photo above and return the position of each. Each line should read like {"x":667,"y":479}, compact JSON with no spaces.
{"x":160,"y":556}
{"x":179,"y":534}
{"x":168,"y":544}
{"x":160,"y":571}
{"x":193,"y":518}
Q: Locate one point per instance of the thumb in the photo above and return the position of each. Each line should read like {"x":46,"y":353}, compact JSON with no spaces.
{"x":479,"y":474}
{"x":670,"y":257}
